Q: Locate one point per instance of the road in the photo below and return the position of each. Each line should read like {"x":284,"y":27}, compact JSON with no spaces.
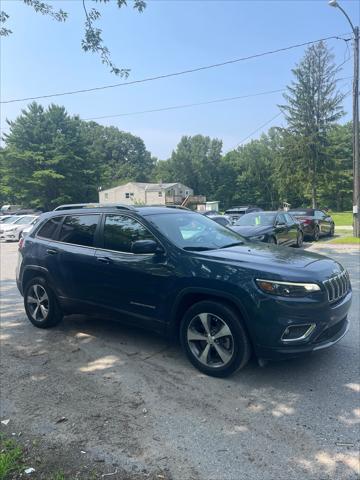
{"x":134,"y":405}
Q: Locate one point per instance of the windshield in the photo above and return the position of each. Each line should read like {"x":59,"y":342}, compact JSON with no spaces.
{"x":10,"y":220}
{"x":192,"y":231}
{"x":257,"y":219}
{"x":25,"y":220}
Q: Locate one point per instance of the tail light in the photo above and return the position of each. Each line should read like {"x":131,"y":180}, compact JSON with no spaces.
{"x":305,"y":221}
{"x":21,"y":243}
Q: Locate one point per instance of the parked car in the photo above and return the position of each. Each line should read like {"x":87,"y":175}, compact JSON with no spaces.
{"x":316,"y":223}
{"x":234,"y":213}
{"x":180,"y":273}
{"x":7,"y":209}
{"x":12,"y":230}
{"x":270,"y":227}
{"x":5,"y":217}
{"x":28,"y":229}
{"x":221,"y":220}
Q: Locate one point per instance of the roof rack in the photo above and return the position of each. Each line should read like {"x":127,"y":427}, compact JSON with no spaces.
{"x":177,"y":206}
{"x":71,"y":206}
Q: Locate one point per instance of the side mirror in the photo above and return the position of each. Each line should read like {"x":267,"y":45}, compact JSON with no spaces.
{"x":146,"y":246}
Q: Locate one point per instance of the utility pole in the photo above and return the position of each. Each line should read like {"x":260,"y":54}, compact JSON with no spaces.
{"x":356,"y":140}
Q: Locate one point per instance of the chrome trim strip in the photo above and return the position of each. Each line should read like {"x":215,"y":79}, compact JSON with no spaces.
{"x":303,"y":337}
{"x":296,"y":284}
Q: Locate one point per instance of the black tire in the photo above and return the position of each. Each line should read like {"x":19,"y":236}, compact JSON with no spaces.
{"x":316,"y":234}
{"x":235,"y":347}
{"x":36,"y":289}
{"x":272,"y":240}
{"x":299,"y":240}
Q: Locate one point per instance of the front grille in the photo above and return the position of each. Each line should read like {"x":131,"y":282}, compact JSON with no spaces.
{"x":337,"y":287}
{"x":331,"y":332}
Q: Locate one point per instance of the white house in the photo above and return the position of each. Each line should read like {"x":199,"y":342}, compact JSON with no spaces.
{"x":135,"y":193}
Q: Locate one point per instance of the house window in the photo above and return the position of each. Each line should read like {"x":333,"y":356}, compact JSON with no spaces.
{"x":106,"y":196}
{"x":127,"y":195}
{"x":160,"y":194}
{"x":187,"y":192}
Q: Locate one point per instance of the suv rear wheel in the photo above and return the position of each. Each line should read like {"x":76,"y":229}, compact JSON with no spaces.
{"x":214,"y":338}
{"x":316,"y":235}
{"x":41,"y":305}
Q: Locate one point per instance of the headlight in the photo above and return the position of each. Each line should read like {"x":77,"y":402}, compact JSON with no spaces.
{"x":287,"y":289}
{"x":258,"y":237}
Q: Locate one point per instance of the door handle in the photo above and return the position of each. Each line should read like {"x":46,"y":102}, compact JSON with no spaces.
{"x":51,"y":251}
{"x":103,"y":259}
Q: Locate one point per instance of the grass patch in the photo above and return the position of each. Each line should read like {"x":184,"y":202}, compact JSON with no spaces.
{"x":10,"y":458}
{"x":342,"y":218}
{"x":347,"y":240}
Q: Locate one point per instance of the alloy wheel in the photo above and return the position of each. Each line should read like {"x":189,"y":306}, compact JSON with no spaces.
{"x":210,"y":340}
{"x":38,"y":302}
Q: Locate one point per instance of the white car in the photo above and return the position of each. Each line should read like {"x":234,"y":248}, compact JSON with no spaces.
{"x":12,"y":229}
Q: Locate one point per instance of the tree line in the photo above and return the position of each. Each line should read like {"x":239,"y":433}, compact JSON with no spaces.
{"x":50,"y":157}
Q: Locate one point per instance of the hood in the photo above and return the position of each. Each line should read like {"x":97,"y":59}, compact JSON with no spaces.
{"x":248,"y":231}
{"x":8,"y":226}
{"x":262,"y":255}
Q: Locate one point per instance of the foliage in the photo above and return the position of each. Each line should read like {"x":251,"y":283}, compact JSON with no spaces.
{"x":313,"y":106}
{"x":196,"y":162}
{"x":10,"y":458}
{"x":92,"y":40}
{"x":51,"y":158}
{"x":119,"y":156}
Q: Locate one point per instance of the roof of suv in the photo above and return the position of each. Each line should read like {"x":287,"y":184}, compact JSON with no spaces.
{"x":117,"y":208}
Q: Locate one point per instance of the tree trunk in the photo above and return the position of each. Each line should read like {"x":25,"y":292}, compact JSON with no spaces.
{"x":314,"y":176}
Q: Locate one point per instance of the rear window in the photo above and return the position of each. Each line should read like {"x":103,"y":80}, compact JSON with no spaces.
{"x":302,"y":213}
{"x":79,"y":229}
{"x":48,"y":230}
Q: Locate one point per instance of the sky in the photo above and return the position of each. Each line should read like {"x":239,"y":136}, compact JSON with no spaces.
{"x":42,"y":56}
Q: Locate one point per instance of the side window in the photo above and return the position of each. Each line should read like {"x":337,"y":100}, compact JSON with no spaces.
{"x":121,"y":231}
{"x":319,"y":214}
{"x":48,"y":230}
{"x":289,"y":219}
{"x":79,"y":229}
{"x":280,"y":218}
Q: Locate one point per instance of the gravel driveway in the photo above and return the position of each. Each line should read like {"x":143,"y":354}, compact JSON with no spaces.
{"x":95,"y":396}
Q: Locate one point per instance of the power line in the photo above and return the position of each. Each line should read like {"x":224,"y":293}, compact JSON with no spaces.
{"x":186,"y":105}
{"x":267,"y":123}
{"x":168,"y":75}
{"x":197,"y":104}
{"x":257,"y":129}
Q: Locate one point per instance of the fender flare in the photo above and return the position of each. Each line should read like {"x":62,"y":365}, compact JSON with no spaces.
{"x":220,"y":295}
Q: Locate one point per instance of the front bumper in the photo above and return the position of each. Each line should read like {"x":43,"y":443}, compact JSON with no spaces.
{"x":330,"y":326}
{"x":8,"y":236}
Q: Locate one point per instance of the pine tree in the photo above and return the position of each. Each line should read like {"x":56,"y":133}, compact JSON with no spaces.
{"x":313,"y":105}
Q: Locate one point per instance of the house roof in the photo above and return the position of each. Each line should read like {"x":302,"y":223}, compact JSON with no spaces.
{"x":146,"y":186}
{"x":154,"y":186}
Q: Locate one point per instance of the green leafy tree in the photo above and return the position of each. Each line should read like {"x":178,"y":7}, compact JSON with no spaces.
{"x":119,"y":156}
{"x":196,"y":163}
{"x":335,"y":190}
{"x":313,"y":105}
{"x":46,"y":160}
{"x":92,"y":40}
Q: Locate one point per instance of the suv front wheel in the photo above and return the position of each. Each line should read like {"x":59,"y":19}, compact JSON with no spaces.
{"x":214,"y":338}
{"x":41,"y":305}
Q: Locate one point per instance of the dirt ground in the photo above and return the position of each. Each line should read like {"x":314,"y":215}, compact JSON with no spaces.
{"x":95,"y":399}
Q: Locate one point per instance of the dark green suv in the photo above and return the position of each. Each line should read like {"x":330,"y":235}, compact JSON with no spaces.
{"x":181,"y":273}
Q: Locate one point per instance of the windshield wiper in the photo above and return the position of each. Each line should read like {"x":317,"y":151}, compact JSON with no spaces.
{"x":198,"y":248}
{"x":232,"y":244}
